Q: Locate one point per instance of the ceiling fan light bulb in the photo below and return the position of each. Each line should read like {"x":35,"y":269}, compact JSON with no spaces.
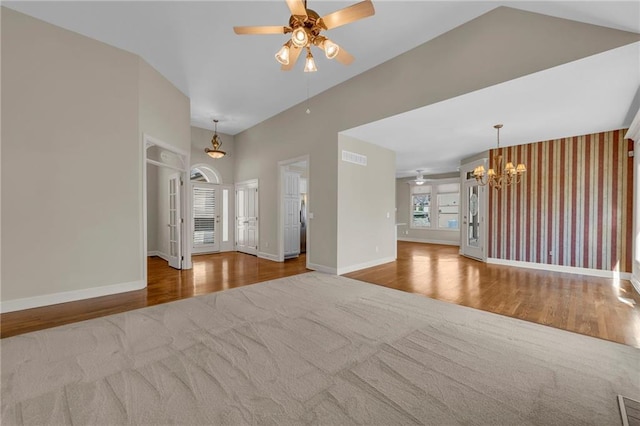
{"x":299,"y":37}
{"x":310,"y":64}
{"x":283,"y":55}
{"x":331,"y":49}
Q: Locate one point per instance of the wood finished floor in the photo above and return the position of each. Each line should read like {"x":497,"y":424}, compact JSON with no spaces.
{"x":210,"y":273}
{"x":587,"y":305}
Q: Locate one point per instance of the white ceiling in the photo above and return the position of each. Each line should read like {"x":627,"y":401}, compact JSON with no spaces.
{"x":590,"y":95}
{"x":237,"y":80}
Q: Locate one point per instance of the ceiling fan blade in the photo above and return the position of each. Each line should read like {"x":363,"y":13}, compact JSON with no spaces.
{"x":297,"y":7}
{"x":348,"y":15}
{"x":294,"y":52}
{"x":344,"y":57}
{"x":274,"y":29}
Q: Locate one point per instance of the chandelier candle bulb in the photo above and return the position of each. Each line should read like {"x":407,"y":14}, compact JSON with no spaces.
{"x":512,"y":174}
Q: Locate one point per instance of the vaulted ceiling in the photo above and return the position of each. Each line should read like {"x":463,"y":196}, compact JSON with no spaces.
{"x":237,"y":80}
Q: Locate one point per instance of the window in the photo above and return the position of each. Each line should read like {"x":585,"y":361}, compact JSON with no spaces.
{"x":436,"y":206}
{"x":421,"y":206}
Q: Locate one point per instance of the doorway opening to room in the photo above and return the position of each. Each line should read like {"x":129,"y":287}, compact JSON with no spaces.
{"x":211,"y":211}
{"x":294,"y":197}
{"x":165,"y":204}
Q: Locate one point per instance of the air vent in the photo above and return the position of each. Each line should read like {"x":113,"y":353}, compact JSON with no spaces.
{"x":352,"y":157}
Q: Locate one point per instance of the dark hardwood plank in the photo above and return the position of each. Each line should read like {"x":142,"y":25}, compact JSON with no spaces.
{"x":582,"y":304}
{"x":211,"y":272}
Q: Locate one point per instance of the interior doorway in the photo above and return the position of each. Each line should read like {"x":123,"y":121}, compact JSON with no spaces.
{"x":293,"y":224}
{"x":165,"y":204}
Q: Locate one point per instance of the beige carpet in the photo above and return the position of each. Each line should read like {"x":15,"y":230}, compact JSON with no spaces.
{"x":313,"y":349}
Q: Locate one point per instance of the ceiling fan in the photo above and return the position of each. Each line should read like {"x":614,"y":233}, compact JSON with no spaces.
{"x":419,"y":180}
{"x":306,"y":26}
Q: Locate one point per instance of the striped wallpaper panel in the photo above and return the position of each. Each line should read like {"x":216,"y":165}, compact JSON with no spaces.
{"x":573,"y":206}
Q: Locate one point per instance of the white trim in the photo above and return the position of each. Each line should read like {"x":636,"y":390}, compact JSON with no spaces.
{"x":561,"y":268}
{"x":213,"y":171}
{"x":161,"y":164}
{"x":635,"y":283}
{"x":322,"y":268}
{"x":352,"y":268}
{"x":429,"y":241}
{"x":634,"y":129}
{"x":69,"y":296}
{"x":269,"y":256}
{"x":153,"y":253}
{"x":150,"y":141}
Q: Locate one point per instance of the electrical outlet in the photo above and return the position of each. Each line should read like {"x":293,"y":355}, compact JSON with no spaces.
{"x":377,"y":249}
{"x":406,"y":232}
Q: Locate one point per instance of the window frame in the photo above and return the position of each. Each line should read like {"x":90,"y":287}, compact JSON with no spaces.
{"x":434,"y":204}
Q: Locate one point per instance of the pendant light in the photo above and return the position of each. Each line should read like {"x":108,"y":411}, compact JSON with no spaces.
{"x":216,"y":142}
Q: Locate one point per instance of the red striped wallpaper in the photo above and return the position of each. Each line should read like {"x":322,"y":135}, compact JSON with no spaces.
{"x":572,"y":208}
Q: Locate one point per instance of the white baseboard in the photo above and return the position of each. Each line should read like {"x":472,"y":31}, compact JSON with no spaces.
{"x":68,"y":296}
{"x":322,"y":268}
{"x":268,"y":256}
{"x":153,"y":253}
{"x":352,"y":268}
{"x":635,"y":282}
{"x":429,"y":241}
{"x":561,"y":268}
{"x":162,"y":255}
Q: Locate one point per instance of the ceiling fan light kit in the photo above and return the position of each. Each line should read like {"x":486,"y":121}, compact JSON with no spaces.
{"x":216,"y":142}
{"x":305,"y":26}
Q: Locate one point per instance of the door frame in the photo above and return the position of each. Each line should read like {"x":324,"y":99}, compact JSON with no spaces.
{"x":282,"y":165}
{"x":148,"y":141}
{"x":483,"y":197}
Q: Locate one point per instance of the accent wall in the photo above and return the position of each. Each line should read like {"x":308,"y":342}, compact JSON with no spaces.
{"x":573,"y":206}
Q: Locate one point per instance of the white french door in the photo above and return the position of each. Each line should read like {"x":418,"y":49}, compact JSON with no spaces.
{"x":206,"y":218}
{"x":175,"y":222}
{"x":474,"y":206}
{"x":247,"y":217}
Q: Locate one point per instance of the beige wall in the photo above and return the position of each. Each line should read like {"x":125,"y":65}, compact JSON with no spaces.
{"x":201,"y":139}
{"x":70,"y":118}
{"x":165,"y":112}
{"x":468,"y":58}
{"x":366,"y":204}
{"x":73,"y":111}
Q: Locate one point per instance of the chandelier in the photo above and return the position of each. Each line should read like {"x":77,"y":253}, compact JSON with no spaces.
{"x":216,"y":142}
{"x":497,"y":177}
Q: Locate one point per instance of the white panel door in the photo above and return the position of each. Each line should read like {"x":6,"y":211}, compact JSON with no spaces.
{"x":206,"y":218}
{"x":291,"y":214}
{"x":247,"y":218}
{"x":175,"y":222}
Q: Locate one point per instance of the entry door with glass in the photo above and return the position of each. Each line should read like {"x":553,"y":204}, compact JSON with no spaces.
{"x":474,"y":198}
{"x":206,"y":218}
